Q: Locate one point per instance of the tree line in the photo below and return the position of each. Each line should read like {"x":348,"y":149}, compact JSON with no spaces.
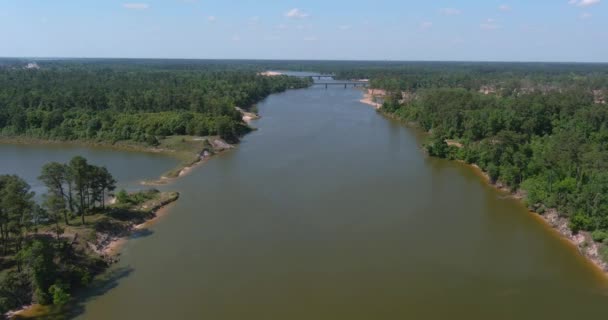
{"x":70,"y":101}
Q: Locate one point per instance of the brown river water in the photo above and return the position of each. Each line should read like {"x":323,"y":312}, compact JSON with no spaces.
{"x":331,"y":211}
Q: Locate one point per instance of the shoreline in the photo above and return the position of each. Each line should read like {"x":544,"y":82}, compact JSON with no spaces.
{"x":551,"y":219}
{"x":110,"y":248}
{"x":216,"y":147}
{"x":270,"y":73}
{"x":369,"y":98}
{"x":189,"y":159}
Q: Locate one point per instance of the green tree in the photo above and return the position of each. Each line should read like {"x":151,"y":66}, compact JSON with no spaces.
{"x":55,"y":177}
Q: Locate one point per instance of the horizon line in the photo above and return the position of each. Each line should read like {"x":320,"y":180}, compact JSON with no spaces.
{"x":307,"y":60}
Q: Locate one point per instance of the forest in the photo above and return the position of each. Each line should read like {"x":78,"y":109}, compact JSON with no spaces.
{"x":549,"y":141}
{"x":110,"y":101}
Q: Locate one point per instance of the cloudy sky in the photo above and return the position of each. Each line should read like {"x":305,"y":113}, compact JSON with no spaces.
{"x":494,"y":30}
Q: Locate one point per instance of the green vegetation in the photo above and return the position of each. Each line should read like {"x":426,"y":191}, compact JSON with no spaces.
{"x":550,"y":141}
{"x":69,"y":100}
{"x":48,"y":251}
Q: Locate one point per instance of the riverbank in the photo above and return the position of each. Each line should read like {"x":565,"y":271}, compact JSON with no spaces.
{"x":556,"y":222}
{"x":370,"y":97}
{"x":126,"y":219}
{"x":193,"y":151}
{"x":103,"y":234}
{"x":270,"y":73}
{"x":551,"y":218}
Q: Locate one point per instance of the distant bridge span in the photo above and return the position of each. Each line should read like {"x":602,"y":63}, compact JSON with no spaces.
{"x":345,"y":84}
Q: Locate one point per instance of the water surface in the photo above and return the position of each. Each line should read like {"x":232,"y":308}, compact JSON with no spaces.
{"x":128,"y":168}
{"x":330,"y":211}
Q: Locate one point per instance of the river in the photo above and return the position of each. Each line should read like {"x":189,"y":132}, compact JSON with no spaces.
{"x":331,"y":211}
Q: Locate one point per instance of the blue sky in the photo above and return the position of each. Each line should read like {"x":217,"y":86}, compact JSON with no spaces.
{"x":488,"y":30}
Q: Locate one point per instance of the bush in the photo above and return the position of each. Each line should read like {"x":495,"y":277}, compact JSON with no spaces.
{"x":579,"y":222}
{"x":122,"y":196}
{"x":60,"y":294}
{"x":599,"y":235}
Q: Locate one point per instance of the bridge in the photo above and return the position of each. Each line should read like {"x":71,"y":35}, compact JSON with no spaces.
{"x":345,"y":84}
{"x":319,"y":76}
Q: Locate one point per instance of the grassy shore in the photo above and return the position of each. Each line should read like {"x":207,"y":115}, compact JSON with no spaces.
{"x":189,"y":150}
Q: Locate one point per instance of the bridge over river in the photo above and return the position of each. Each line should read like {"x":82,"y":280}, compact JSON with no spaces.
{"x":346,"y":84}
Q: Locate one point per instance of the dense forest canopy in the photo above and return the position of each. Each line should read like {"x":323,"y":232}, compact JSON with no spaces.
{"x":115,"y":101}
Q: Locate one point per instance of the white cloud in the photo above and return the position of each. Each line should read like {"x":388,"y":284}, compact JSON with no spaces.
{"x":585,"y":15}
{"x":584,"y":3}
{"x":296,"y":13}
{"x":504,"y":8}
{"x":345,"y":27}
{"x":426,"y":25}
{"x":450,"y":11}
{"x":212,"y":18}
{"x":236,"y":37}
{"x":311,"y":38}
{"x":136,"y":6}
{"x":282,"y":27}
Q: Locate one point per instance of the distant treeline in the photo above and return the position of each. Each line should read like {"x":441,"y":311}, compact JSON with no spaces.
{"x":506,"y":77}
{"x":114,"y":101}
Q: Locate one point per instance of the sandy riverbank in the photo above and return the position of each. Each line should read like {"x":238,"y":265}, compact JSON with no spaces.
{"x":111,"y":250}
{"x":270,"y":73}
{"x":247,"y":116}
{"x":370,"y":97}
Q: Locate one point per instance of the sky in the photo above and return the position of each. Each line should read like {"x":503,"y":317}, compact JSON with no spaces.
{"x":472,"y":30}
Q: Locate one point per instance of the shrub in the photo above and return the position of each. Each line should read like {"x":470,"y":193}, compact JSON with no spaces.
{"x":60,"y":294}
{"x":599,"y":235}
{"x":579,"y":222}
{"x":122,"y":196}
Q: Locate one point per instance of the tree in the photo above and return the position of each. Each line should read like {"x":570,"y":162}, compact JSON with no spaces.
{"x":102,"y":182}
{"x":38,"y":261}
{"x":55,"y":207}
{"x":55,"y":177}
{"x":79,"y":172}
{"x":16,"y":210}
